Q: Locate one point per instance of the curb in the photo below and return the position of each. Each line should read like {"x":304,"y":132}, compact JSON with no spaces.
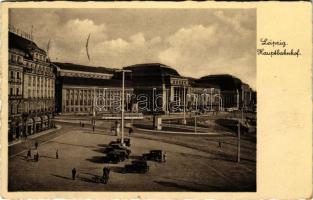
{"x":180,"y":133}
{"x":58,"y":127}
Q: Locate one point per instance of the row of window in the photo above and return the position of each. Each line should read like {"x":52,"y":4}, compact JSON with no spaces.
{"x":40,"y":81}
{"x":15,"y":91}
{"x":36,"y":67}
{"x":36,"y":93}
{"x":81,"y":109}
{"x":18,"y":108}
{"x":39,"y":68}
{"x":15,"y":75}
{"x":39,"y":56}
{"x":16,"y":58}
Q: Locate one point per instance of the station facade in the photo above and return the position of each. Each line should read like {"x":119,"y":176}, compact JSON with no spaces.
{"x":39,"y":88}
{"x":87,"y":90}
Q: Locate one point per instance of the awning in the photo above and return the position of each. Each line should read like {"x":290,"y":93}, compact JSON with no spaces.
{"x":44,"y":118}
{"x":37,"y":120}
{"x":30,"y":121}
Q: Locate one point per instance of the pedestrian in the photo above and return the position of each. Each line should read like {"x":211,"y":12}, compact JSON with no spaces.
{"x":164,"y":156}
{"x":93,"y":128}
{"x":57,"y":154}
{"x":130,"y":131}
{"x":219,"y":144}
{"x":36,"y":144}
{"x":37,"y":156}
{"x":117,"y":129}
{"x":29,"y":154}
{"x":106,"y":174}
{"x":73,"y":173}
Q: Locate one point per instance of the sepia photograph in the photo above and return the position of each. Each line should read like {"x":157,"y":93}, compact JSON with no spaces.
{"x":132,"y":99}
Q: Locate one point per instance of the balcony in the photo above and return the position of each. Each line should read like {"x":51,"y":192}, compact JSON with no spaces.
{"x":17,"y":63}
{"x":14,"y":97}
{"x":15,"y":81}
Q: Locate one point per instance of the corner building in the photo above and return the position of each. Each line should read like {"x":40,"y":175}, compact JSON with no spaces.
{"x":31,"y":88}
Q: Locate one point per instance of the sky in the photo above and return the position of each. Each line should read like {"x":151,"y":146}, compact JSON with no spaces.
{"x":195,"y":42}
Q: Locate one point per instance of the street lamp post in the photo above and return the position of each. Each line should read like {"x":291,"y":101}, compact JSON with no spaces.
{"x":123,"y":109}
{"x":94,"y":107}
{"x":184,"y":108}
{"x":238,"y":138}
{"x":196,"y":114}
{"x":153,"y":110}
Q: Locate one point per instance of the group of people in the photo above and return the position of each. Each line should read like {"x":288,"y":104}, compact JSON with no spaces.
{"x":36,"y":153}
{"x":81,"y":124}
{"x":105,"y":176}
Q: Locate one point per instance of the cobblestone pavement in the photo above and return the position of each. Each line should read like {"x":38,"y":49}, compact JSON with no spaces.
{"x":193,"y":164}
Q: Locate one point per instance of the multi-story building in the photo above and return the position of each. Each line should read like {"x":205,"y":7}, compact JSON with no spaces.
{"x":31,"y":88}
{"x":235,"y":93}
{"x":83,"y":90}
{"x":161,"y":89}
{"x":158,"y":87}
{"x":204,"y":96}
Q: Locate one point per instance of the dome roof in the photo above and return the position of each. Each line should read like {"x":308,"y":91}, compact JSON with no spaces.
{"x":224,"y":81}
{"x":152,"y":69}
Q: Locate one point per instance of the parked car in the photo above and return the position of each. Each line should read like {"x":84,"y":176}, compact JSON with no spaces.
{"x":114,"y":157}
{"x":154,"y":155}
{"x":118,"y":146}
{"x":137,"y":166}
{"x":123,"y":154}
{"x":118,"y":141}
{"x":126,"y":141}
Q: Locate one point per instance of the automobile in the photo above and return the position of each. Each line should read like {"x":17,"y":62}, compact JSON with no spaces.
{"x":118,"y":141}
{"x":155,"y":155}
{"x":119,"y":146}
{"x":114,"y":157}
{"x":126,"y":141}
{"x":137,"y":166}
{"x":109,"y":149}
{"x":123,"y":154}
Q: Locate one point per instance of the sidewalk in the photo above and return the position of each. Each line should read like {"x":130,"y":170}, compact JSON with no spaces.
{"x":58,"y":127}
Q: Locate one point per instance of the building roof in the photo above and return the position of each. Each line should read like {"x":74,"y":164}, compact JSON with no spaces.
{"x":152,"y":69}
{"x":85,"y":68}
{"x":94,"y":82}
{"x":23,"y":44}
{"x":224,"y":81}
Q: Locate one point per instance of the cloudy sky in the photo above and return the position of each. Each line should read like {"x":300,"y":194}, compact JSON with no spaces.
{"x":196,"y":42}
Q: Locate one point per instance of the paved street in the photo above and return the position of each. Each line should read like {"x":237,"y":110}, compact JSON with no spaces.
{"x":194,"y":163}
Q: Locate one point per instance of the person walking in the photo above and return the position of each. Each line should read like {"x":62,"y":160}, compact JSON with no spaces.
{"x":36,"y":144}
{"x":117,"y":129}
{"x":164,"y":156}
{"x":73,"y":173}
{"x":29,"y":154}
{"x":130,"y":131}
{"x":93,"y":128}
{"x":219,"y":144}
{"x":106,"y":174}
{"x":57,"y":154}
{"x":36,"y":156}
